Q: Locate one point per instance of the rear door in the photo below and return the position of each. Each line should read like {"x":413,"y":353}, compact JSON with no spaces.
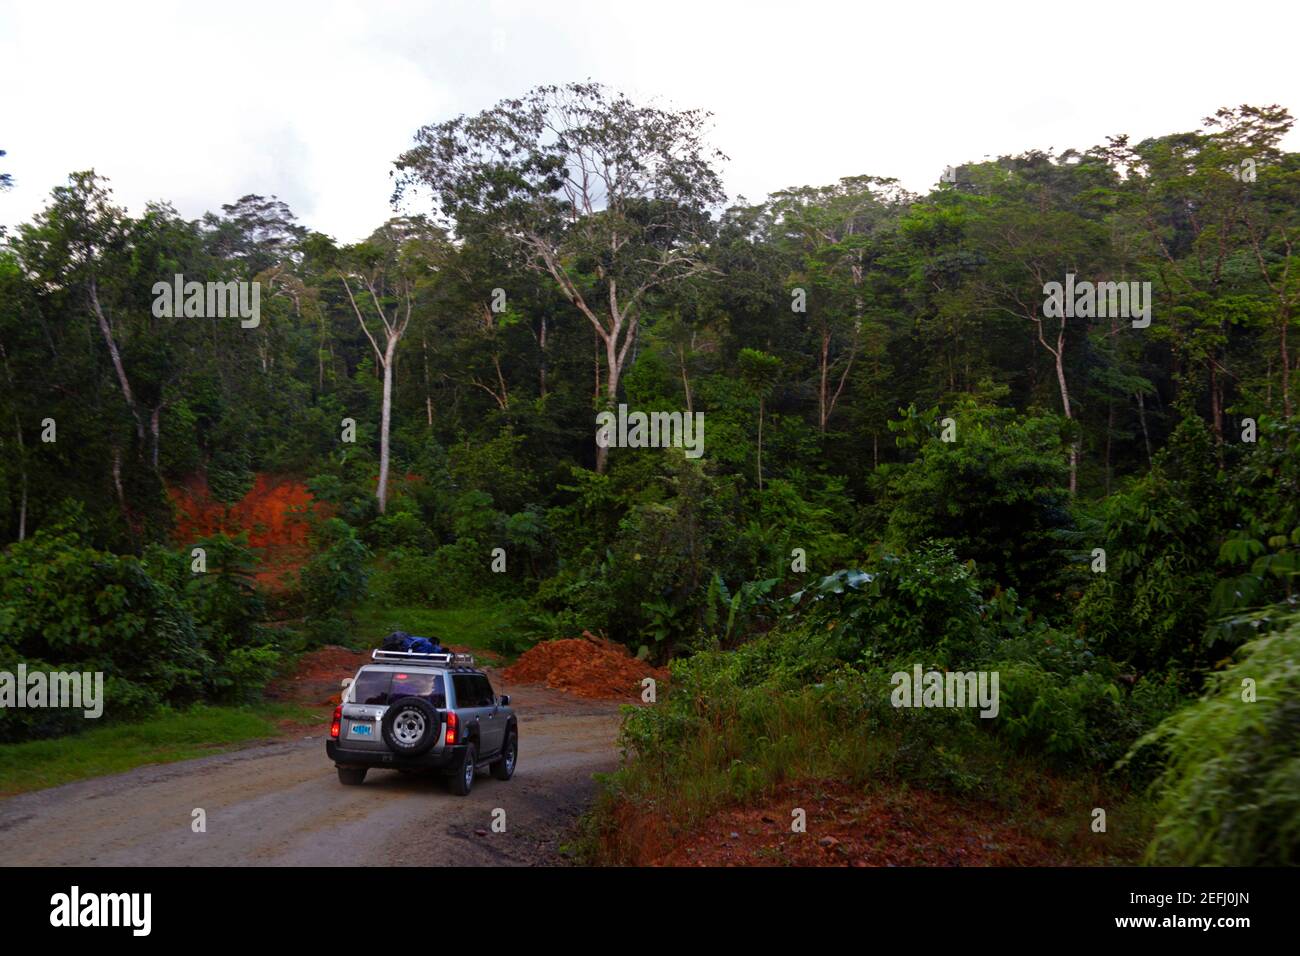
{"x":469,"y":705}
{"x":494,"y":720}
{"x":369,"y":695}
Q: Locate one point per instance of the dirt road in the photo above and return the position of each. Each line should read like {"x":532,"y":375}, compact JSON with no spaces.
{"x":281,"y":804}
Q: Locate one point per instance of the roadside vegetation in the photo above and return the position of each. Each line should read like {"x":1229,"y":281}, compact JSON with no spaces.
{"x":906,"y":462}
{"x":199,"y":731}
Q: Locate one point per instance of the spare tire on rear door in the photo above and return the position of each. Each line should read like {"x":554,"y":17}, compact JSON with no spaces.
{"x":411,"y":726}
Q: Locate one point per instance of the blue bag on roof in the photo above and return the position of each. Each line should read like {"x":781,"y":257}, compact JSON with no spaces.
{"x":401,"y":641}
{"x":397,"y":641}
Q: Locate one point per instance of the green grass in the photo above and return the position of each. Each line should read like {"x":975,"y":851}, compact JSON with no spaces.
{"x":113,"y":748}
{"x":712,"y":743}
{"x":474,"y":625}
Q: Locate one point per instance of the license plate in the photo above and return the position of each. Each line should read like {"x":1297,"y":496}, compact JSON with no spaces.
{"x":361,"y":730}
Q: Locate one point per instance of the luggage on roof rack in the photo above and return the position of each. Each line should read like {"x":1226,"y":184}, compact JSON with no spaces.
{"x":413,"y":657}
{"x":401,"y":641}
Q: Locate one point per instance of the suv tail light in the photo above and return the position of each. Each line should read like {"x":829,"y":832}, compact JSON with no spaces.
{"x":453,"y":724}
{"x":338,"y":722}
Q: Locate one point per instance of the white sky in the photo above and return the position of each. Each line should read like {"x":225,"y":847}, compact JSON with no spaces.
{"x":312,"y":101}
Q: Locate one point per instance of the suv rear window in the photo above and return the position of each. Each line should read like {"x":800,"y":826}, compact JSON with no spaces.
{"x":383,"y":687}
{"x":426,"y":685}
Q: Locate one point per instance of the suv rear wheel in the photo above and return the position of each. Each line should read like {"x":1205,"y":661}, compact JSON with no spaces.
{"x":504,"y":768}
{"x":411,"y":725}
{"x":462,"y":781}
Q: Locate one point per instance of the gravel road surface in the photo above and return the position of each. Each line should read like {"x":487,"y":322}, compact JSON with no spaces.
{"x":280,"y":803}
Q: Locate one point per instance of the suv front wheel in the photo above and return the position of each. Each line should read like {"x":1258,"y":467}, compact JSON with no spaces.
{"x":462,"y":781}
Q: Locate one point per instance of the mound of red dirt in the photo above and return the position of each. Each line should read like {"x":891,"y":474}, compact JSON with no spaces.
{"x":587,"y":666}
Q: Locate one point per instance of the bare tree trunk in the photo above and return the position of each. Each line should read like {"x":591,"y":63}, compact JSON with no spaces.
{"x":22,"y":450}
{"x":1110,"y":430}
{"x":611,"y":396}
{"x":541,"y":369}
{"x":1058,"y":360}
{"x":123,"y":382}
{"x":428,"y":396}
{"x":385,"y":420}
{"x":618,"y":332}
{"x":22,"y":479}
{"x":686,"y":382}
{"x":824,"y":362}
{"x":844,"y":376}
{"x":1059,"y":355}
{"x":1033,"y":364}
{"x":760,"y":444}
{"x":22,"y":506}
{"x":394,"y":329}
{"x":320,"y":361}
{"x":117,"y":478}
{"x":501,"y":382}
{"x":155,"y":434}
{"x":1146,"y":437}
{"x":1216,"y":409}
{"x":1286,"y":365}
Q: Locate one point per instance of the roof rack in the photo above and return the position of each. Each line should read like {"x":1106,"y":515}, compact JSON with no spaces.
{"x":411,"y":657}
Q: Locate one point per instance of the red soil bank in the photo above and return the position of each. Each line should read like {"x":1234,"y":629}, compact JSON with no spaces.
{"x":586,"y":666}
{"x":274,"y":512}
{"x":847,"y":826}
{"x":316,"y":680}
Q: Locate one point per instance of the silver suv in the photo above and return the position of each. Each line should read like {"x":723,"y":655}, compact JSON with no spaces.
{"x":413,"y":712}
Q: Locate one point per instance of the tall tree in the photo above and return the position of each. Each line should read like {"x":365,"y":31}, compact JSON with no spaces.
{"x":385,"y":268}
{"x":1037,"y":231}
{"x":607,"y":197}
{"x":832,"y":229}
{"x":759,"y":371}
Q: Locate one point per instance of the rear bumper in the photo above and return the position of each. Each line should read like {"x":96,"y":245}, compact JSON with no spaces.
{"x":449,"y":758}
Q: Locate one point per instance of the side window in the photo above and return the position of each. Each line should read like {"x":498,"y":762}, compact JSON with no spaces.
{"x":438,"y":695}
{"x":485,"y":690}
{"x":466,"y":692}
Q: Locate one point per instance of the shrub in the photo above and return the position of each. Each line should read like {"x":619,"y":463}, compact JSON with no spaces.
{"x":996,"y":495}
{"x":405,"y":576}
{"x":82,"y":609}
{"x":336,"y":579}
{"x":921,"y":603}
{"x":65,"y":602}
{"x":1150,"y":607}
{"x":1230,"y":789}
{"x":401,"y":529}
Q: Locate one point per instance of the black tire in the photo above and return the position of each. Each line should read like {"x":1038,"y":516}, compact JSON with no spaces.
{"x":462,"y":781}
{"x":411,"y":725}
{"x":352,"y":776}
{"x":504,"y":768}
